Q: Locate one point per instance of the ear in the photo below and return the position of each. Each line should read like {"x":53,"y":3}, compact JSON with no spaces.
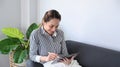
{"x":43,"y":23}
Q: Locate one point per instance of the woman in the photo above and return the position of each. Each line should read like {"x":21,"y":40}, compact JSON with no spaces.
{"x":47,"y":42}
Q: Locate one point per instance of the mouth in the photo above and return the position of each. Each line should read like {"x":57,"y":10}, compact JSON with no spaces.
{"x":52,"y":32}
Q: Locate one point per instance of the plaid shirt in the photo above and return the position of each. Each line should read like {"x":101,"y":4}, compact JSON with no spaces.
{"x":41,"y":43}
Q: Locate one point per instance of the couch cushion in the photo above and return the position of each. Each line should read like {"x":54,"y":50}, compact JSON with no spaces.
{"x":93,"y":56}
{"x":30,"y":63}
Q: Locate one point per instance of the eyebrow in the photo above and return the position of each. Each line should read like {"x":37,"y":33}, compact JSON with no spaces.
{"x":54,"y":25}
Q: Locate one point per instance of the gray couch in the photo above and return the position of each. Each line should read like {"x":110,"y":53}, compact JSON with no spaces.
{"x":89,"y":55}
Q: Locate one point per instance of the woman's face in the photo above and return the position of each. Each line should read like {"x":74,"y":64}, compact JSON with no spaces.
{"x":51,"y":26}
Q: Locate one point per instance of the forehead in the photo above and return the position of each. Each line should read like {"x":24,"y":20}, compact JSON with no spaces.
{"x":54,"y":22}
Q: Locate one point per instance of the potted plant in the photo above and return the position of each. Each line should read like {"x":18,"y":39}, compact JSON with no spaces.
{"x":16,"y":42}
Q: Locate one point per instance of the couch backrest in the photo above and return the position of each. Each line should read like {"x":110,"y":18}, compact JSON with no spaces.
{"x":93,"y":56}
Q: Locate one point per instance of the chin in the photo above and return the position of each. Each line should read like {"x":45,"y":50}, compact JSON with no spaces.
{"x":50,"y":33}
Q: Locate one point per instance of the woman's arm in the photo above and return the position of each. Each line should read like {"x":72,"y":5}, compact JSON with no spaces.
{"x":34,"y":42}
{"x":33,"y":48}
{"x":63,"y":45}
{"x":64,"y":51}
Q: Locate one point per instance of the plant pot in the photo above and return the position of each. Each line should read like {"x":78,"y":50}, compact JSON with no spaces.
{"x":12,"y":64}
{"x":23,"y":64}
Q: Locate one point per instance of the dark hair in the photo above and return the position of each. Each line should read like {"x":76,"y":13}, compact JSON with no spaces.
{"x":51,"y":14}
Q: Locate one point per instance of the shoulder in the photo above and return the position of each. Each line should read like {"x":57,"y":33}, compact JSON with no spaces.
{"x":35,"y":32}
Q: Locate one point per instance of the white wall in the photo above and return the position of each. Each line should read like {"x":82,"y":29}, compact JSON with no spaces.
{"x":9,"y":17}
{"x":91,"y":21}
{"x":28,"y":13}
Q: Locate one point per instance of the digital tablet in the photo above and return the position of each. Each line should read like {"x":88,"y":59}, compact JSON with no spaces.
{"x":62,"y":57}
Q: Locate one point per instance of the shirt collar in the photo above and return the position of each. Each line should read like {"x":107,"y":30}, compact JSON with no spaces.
{"x":44,"y":32}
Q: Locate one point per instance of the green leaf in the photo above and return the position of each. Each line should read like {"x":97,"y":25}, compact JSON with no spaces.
{"x":13,"y":32}
{"x":30,"y":29}
{"x":8,"y":44}
{"x":19,"y":55}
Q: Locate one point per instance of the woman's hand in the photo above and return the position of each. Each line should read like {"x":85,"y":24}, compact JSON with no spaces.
{"x":51,"y":56}
{"x":67,"y":61}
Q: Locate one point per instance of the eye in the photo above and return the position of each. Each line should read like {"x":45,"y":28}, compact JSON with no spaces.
{"x":56,"y":26}
{"x":51,"y":26}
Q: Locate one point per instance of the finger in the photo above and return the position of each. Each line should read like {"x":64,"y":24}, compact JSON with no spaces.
{"x":72,"y":57}
{"x":66,"y":59}
{"x":52,"y":54}
{"x":65,"y":62}
{"x":52,"y":57}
